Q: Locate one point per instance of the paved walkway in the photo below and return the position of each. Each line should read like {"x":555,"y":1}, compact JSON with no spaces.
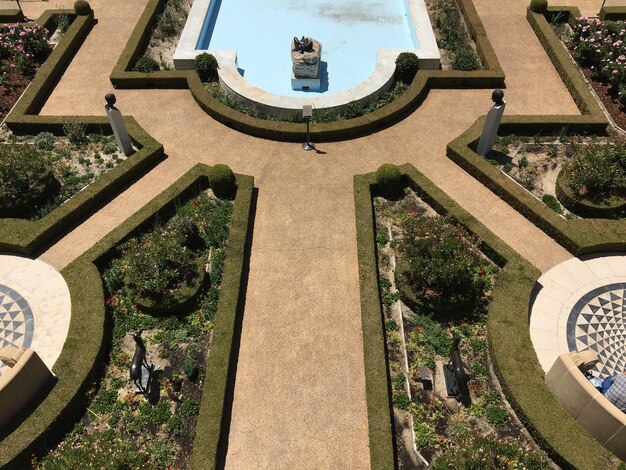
{"x":299,"y":394}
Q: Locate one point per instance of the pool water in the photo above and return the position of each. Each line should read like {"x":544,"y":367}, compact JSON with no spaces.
{"x":350,"y":33}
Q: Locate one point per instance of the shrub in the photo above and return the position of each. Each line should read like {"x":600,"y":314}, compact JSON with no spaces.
{"x":146,"y":64}
{"x":81,"y":7}
{"x":598,"y":171}
{"x":389,"y":180}
{"x":186,"y":228}
{"x":44,"y":141}
{"x":552,"y":202}
{"x":407,"y":65}
{"x":353,"y":109}
{"x":76,"y":132}
{"x":496,"y":415}
{"x":401,"y":401}
{"x":26,"y":179}
{"x":433,"y":336}
{"x":539,"y":6}
{"x":465,"y":59}
{"x":156,"y":265}
{"x":206,"y":65}
{"x":190,"y":368}
{"x":444,"y":263}
{"x":189,"y":407}
{"x":222,"y":181}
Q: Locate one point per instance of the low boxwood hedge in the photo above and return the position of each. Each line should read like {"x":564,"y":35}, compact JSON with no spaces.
{"x":123,"y":77}
{"x":613,"y":208}
{"x":82,"y":357}
{"x":613,"y":13}
{"x":511,"y":350}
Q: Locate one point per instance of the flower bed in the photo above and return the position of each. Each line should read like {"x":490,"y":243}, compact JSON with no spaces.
{"x":121,"y":429}
{"x":591,"y":170}
{"x":74,"y":162}
{"x":599,"y":48}
{"x":448,"y":290}
{"x":22,"y":50}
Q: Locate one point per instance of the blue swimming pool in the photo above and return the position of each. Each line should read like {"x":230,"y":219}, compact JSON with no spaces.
{"x":351,"y":32}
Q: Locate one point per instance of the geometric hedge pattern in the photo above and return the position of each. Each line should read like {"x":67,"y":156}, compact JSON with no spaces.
{"x":598,"y":322}
{"x":16,"y":320}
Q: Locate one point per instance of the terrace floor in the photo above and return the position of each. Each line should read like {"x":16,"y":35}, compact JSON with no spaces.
{"x":300,"y":387}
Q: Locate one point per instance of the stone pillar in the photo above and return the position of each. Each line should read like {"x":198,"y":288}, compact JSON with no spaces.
{"x":117,"y":124}
{"x":492,"y":123}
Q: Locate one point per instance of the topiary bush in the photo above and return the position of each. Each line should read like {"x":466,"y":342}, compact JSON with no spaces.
{"x":222,"y":181}
{"x":539,"y":6}
{"x":26,"y":180}
{"x":81,"y":7}
{"x":146,"y":64}
{"x":407,"y":65}
{"x":390,"y":181}
{"x":206,"y":65}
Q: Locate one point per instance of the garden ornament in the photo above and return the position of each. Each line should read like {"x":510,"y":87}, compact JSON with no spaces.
{"x":492,"y":123}
{"x":303,"y":45}
{"x":140,"y":370}
{"x":117,"y":125}
{"x":455,"y":376}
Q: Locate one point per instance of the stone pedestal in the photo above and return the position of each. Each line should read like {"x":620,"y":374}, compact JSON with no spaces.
{"x":119,"y":130}
{"x":490,"y":130}
{"x":306,"y":67}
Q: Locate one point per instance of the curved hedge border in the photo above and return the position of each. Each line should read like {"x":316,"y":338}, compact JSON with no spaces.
{"x":514,"y":359}
{"x":123,"y":77}
{"x":83,"y":355}
{"x":578,"y":236}
{"x":23,"y":236}
{"x":615,"y":208}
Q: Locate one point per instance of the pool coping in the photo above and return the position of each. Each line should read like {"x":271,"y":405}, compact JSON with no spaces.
{"x":377,"y":83}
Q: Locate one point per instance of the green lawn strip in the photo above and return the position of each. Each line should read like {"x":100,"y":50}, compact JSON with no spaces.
{"x":82,"y":354}
{"x":510,"y":345}
{"x":123,"y":77}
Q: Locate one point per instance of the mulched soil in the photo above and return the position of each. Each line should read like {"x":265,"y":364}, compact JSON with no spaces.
{"x":12,"y":89}
{"x":608,"y":96}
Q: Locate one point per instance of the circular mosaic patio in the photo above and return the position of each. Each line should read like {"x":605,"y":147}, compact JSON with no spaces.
{"x":16,"y":319}
{"x":580,"y":305}
{"x":597,"y":322}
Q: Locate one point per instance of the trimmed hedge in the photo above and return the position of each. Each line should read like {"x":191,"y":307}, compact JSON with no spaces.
{"x":123,"y":77}
{"x":511,"y":350}
{"x":613,"y":209}
{"x":615,"y":13}
{"x":82,"y":356}
{"x":222,"y":181}
{"x":11,"y":16}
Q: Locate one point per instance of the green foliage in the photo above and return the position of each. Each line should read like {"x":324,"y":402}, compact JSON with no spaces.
{"x":206,"y":65}
{"x":189,"y":407}
{"x":401,"y":401}
{"x":76,"y":132}
{"x":465,"y":59}
{"x":156,"y":265}
{"x":523,"y":162}
{"x":190,"y":368}
{"x":598,"y":171}
{"x":472,"y":450}
{"x":353,"y":110}
{"x":175,"y":425}
{"x":496,"y":415}
{"x":26,"y":179}
{"x":507,"y":167}
{"x":44,"y":141}
{"x":552,"y":202}
{"x":146,"y":64}
{"x":425,"y":434}
{"x":222,"y":181}
{"x":82,"y":8}
{"x":407,"y":65}
{"x":433,"y":336}
{"x":444,"y":263}
{"x":539,"y":6}
{"x":389,"y":180}
{"x":399,"y":381}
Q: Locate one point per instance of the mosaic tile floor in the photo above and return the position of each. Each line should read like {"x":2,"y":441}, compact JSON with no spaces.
{"x":17,"y":324}
{"x":580,"y":305}
{"x":597,"y":322}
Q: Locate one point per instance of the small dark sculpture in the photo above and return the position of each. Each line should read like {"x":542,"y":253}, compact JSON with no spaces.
{"x":497,"y":97}
{"x":455,"y":376}
{"x":110,"y":99}
{"x":139,"y":364}
{"x":303,"y":45}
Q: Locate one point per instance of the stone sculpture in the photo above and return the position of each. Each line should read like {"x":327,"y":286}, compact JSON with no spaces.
{"x":492,"y":123}
{"x":117,"y":125}
{"x":305,"y":56}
